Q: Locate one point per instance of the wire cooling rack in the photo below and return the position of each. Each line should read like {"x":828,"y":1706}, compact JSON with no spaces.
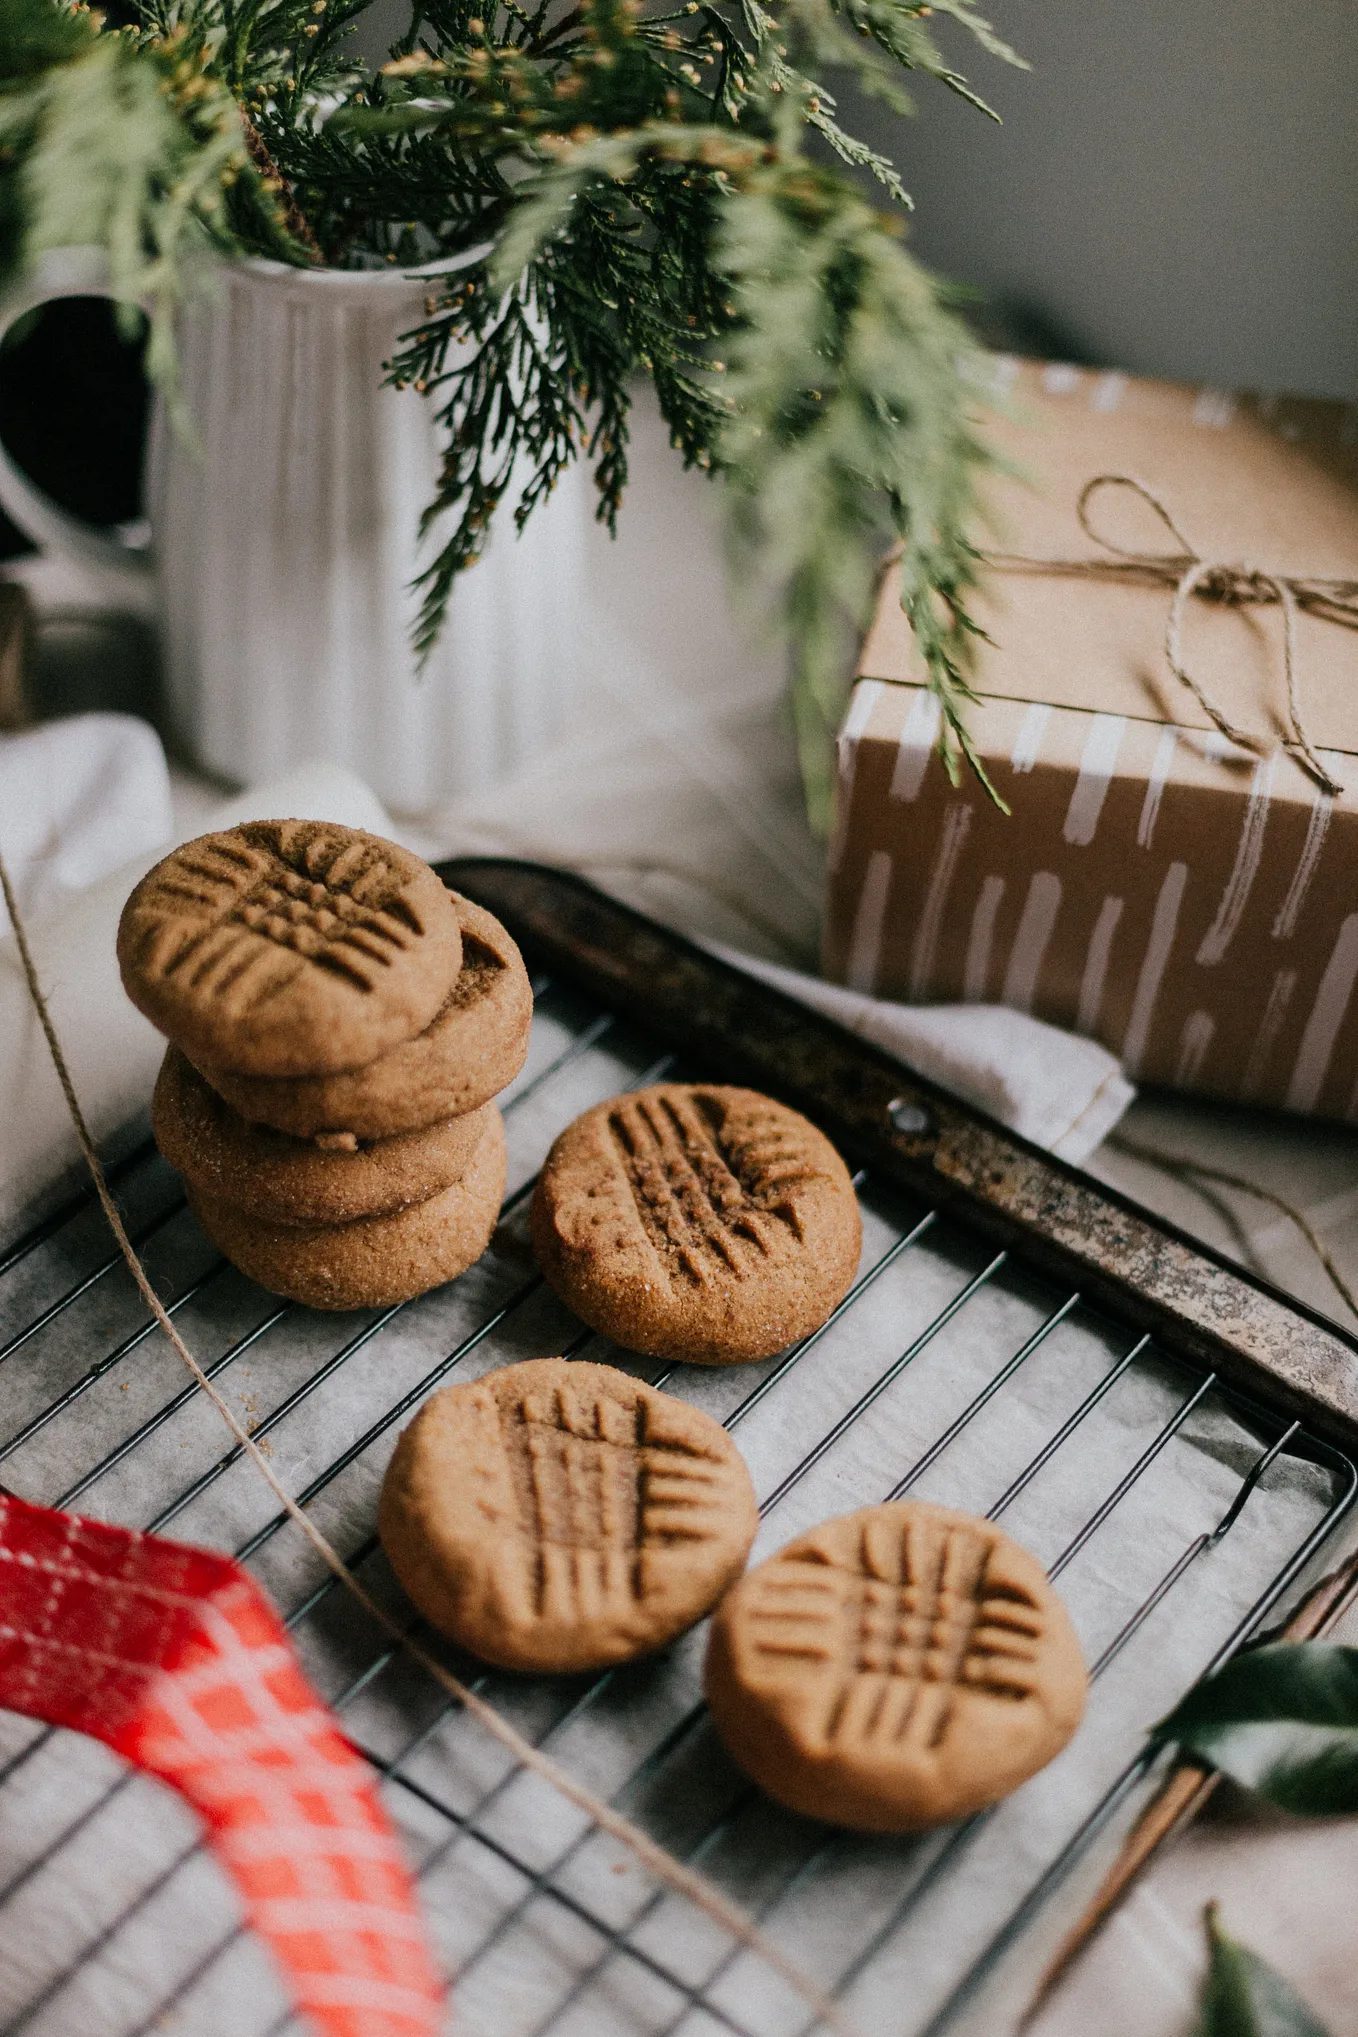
{"x":1167,"y":1435}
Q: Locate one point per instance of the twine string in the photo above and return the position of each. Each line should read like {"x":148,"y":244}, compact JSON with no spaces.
{"x":1091,"y":489}
{"x":1203,"y":575}
{"x":698,"y":1890}
{"x":1182,"y":1167}
{"x":1186,"y":573}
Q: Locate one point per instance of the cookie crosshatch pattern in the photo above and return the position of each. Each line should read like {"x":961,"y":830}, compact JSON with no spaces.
{"x":289,"y":947}
{"x":953,"y":1371}
{"x":558,"y":1516}
{"x":918,"y":1610}
{"x":697,"y":1222}
{"x":701,"y":1186}
{"x":327,"y":923}
{"x":896,"y":1668}
{"x":471,"y":1048}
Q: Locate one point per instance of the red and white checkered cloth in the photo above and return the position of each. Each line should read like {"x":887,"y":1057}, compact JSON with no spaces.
{"x":174,"y":1657}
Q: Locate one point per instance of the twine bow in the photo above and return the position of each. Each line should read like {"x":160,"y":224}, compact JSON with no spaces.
{"x":1187,"y":573}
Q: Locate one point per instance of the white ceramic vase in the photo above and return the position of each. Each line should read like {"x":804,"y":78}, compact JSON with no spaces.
{"x":283,"y":549}
{"x":285,"y":544}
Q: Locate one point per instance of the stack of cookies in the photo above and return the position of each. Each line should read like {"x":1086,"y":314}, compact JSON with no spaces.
{"x":339,"y":1023}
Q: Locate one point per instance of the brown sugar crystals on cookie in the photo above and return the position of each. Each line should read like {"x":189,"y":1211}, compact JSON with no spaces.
{"x":896,"y":1668}
{"x":285,"y":1180}
{"x":289,"y":947}
{"x":697,"y":1223}
{"x":559,"y":1516}
{"x":373,"y":1262}
{"x":472,"y":1047}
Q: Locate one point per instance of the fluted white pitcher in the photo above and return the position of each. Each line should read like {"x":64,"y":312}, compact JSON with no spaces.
{"x":285,"y":544}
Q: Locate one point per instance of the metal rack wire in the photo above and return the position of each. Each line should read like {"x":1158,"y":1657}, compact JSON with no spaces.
{"x":1180,"y":1510}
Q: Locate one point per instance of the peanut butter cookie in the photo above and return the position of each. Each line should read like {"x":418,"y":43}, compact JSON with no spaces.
{"x":284,"y":1180}
{"x":374,"y":1261}
{"x":895,"y":1668}
{"x":289,"y":947}
{"x":697,"y":1223}
{"x":562,"y":1516}
{"x":475,"y":1044}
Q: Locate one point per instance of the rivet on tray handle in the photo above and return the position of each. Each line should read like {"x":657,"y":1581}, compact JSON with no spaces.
{"x":911,"y":1118}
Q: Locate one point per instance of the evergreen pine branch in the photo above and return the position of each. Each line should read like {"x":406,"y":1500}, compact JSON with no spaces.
{"x":849,"y":425}
{"x":530,"y":360}
{"x":615,"y":191}
{"x":843,"y":423}
{"x":964,"y":12}
{"x":897,"y":29}
{"x":102,"y":148}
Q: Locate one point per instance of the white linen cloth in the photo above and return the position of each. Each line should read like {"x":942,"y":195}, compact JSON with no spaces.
{"x":1054,"y":1088}
{"x":78,"y":798}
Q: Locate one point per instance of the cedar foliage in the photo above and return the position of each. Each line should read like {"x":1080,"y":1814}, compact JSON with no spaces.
{"x":614,"y":188}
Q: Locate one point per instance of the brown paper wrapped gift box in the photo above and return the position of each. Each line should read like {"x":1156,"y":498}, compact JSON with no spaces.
{"x":1189,"y":903}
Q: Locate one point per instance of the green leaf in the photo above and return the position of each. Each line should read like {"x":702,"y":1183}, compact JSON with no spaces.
{"x":1283,"y":1722}
{"x":1244,"y":1997}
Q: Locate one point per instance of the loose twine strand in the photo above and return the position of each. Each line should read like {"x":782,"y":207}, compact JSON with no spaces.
{"x":1187,"y":573}
{"x":1182,"y":1168}
{"x":703,"y":1894}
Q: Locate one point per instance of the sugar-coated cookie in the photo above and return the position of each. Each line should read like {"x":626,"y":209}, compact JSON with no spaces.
{"x":561,"y":1516}
{"x":697,"y":1223}
{"x":474,"y":1045}
{"x":284,"y":1180}
{"x":896,"y":1668}
{"x":289,"y":947}
{"x":374,"y":1261}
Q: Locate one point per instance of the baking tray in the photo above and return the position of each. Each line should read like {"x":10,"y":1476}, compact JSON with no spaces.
{"x":1171,"y":1436}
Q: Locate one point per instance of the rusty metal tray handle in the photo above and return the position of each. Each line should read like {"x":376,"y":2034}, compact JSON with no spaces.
{"x":1198,"y":1303}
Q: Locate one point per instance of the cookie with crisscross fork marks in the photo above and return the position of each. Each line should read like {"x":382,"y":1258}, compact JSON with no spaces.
{"x":563,"y":1516}
{"x":474,"y":1045}
{"x":289,"y":947}
{"x":895,"y":1668}
{"x":697,"y":1222}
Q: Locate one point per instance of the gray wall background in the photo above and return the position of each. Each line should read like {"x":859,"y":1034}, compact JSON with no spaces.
{"x":1174,"y":189}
